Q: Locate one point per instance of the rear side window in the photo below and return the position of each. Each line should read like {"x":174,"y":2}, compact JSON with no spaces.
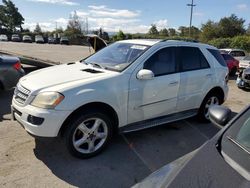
{"x":227,"y":57}
{"x":191,"y":58}
{"x":237,"y":53}
{"x":218,"y":57}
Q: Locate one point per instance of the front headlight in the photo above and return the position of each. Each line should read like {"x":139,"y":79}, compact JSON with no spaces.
{"x":48,"y":100}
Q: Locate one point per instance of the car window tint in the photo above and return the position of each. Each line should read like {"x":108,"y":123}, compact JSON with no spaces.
{"x":191,"y":58}
{"x":218,"y":57}
{"x":236,"y":141}
{"x":227,"y":57}
{"x":162,"y":62}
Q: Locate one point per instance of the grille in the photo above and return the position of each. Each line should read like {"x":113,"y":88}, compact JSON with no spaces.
{"x":21,"y":94}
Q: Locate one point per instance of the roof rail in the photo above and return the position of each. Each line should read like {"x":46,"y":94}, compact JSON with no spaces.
{"x":181,"y":39}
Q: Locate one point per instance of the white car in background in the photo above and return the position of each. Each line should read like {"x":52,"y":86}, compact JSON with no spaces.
{"x":3,"y":38}
{"x":236,"y":53}
{"x":127,"y":86}
{"x":244,"y":63}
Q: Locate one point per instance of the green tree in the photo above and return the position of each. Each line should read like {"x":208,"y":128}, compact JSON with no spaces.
{"x":10,"y":17}
{"x":164,"y":32}
{"x":38,"y":29}
{"x":153,"y":30}
{"x":120,"y":35}
{"x":172,"y":32}
{"x":209,"y":31}
{"x":231,"y":26}
{"x":74,"y":27}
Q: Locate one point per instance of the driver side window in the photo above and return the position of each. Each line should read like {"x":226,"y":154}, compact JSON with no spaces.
{"x":162,"y":62}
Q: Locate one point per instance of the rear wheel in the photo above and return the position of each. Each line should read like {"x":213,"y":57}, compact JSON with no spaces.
{"x":88,"y":134}
{"x":211,"y":99}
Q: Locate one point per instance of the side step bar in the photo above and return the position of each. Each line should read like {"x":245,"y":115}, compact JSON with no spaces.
{"x":158,"y":121}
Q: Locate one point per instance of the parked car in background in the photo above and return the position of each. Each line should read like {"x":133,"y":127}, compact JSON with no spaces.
{"x":39,"y":39}
{"x":244,"y":63}
{"x":223,"y":161}
{"x":27,"y":38}
{"x":10,"y":71}
{"x":236,"y":53}
{"x":243,"y":80}
{"x":64,"y":40}
{"x":3,"y":38}
{"x":51,"y":40}
{"x":129,"y":85}
{"x":232,"y":63}
{"x":15,"y":38}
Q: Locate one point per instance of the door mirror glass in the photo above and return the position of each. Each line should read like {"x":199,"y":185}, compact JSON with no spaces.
{"x":145,"y":74}
{"x":219,"y":115}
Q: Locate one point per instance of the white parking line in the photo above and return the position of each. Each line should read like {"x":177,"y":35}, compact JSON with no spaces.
{"x":137,"y":154}
{"x":205,"y":136}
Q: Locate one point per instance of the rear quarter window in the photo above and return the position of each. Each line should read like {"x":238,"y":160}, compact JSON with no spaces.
{"x":218,"y":57}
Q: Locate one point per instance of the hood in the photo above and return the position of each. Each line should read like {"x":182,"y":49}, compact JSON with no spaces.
{"x":96,"y":42}
{"x":61,"y":74}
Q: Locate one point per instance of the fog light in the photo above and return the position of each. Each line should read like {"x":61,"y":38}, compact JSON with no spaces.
{"x":35,"y":120}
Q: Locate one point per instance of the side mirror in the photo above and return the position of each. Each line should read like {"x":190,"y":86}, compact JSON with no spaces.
{"x":145,"y":74}
{"x":219,"y":115}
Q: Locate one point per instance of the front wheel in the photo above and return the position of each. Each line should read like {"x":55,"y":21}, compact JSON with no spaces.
{"x":210,"y":100}
{"x":88,"y":134}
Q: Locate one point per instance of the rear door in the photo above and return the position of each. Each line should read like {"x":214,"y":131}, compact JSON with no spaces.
{"x":195,"y":77}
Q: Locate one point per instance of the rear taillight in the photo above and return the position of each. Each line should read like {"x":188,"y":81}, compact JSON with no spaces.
{"x":17,"y":65}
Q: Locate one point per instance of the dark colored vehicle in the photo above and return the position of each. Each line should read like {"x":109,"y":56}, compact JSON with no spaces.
{"x":243,"y":80}
{"x":15,"y":38}
{"x":27,"y":38}
{"x":232,"y":63}
{"x":10,"y":72}
{"x":223,"y":161}
{"x":64,"y":40}
{"x":51,"y":40}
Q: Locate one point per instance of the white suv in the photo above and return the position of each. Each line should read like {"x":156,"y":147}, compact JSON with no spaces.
{"x":127,"y":86}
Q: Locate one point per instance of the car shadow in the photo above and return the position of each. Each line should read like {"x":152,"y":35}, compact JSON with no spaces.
{"x":5,"y":101}
{"x":129,"y":158}
{"x":114,"y":167}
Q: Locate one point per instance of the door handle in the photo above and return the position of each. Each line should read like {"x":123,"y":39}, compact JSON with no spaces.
{"x":173,"y":83}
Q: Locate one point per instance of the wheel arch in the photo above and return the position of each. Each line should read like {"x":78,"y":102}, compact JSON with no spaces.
{"x":103,"y":107}
{"x":218,"y":91}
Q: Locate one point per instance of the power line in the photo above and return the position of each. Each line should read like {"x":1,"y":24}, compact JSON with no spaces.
{"x":192,"y":5}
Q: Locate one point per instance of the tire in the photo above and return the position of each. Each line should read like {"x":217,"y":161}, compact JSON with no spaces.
{"x":88,"y":134}
{"x":210,"y":99}
{"x":233,"y":71}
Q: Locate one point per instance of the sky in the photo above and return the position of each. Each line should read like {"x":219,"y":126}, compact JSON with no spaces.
{"x":130,"y":16}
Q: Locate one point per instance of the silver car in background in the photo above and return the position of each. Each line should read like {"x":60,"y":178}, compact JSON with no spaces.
{"x":3,"y":38}
{"x":10,"y":71}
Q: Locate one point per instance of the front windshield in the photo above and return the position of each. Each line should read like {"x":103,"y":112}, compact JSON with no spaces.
{"x":117,"y":56}
{"x":247,"y":58}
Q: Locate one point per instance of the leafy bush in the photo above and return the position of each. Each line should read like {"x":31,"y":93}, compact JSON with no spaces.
{"x":221,"y":42}
{"x":242,"y":42}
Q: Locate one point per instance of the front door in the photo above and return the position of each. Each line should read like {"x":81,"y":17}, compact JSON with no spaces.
{"x":157,"y":97}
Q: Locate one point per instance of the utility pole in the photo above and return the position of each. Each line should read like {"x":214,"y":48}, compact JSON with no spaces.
{"x":192,"y":5}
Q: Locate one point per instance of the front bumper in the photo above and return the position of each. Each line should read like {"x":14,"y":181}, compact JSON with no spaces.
{"x":51,"y":124}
